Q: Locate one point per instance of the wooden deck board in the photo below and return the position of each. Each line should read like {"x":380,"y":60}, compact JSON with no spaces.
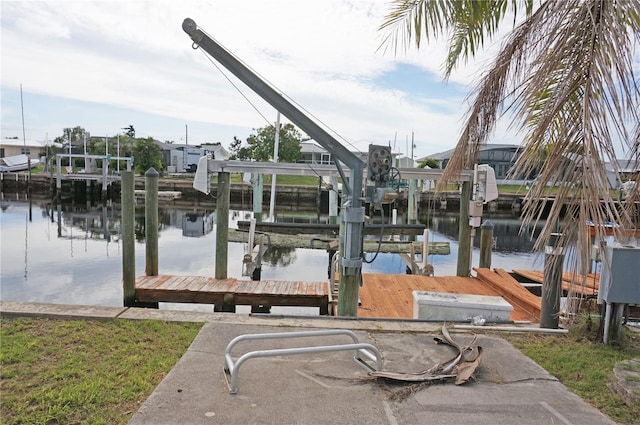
{"x":208,"y":290}
{"x":391,"y":296}
{"x":590,"y":286}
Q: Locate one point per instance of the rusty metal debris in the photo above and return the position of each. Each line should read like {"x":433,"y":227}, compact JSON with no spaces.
{"x":459,"y":367}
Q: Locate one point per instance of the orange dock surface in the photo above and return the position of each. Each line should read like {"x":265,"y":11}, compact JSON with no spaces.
{"x":590,"y":286}
{"x":391,"y":296}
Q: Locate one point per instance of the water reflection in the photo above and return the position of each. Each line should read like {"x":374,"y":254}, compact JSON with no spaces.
{"x":506,"y":232}
{"x":71,"y":253}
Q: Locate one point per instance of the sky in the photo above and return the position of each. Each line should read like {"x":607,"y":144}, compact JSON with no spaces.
{"x":104,"y":65}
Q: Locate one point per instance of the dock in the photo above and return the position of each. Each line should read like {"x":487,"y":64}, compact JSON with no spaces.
{"x":333,"y":229}
{"x":589,"y":288}
{"x":391,"y":296}
{"x":331,"y":243}
{"x":381,"y":295}
{"x":260,"y":295}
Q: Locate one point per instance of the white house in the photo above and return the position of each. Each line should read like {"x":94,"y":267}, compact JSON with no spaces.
{"x":31,"y":148}
{"x":182,"y":158}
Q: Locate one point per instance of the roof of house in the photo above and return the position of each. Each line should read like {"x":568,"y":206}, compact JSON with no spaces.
{"x":624,"y":166}
{"x":20,"y":143}
{"x":447,"y":154}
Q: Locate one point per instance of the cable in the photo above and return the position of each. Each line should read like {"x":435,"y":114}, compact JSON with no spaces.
{"x":338,"y":135}
{"x":234,"y":86}
{"x":364,"y":256}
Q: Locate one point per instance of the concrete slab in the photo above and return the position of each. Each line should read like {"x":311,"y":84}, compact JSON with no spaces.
{"x":311,"y":389}
{"x":328,"y":388}
{"x":15,"y":309}
{"x":167,"y":315}
{"x":509,"y":387}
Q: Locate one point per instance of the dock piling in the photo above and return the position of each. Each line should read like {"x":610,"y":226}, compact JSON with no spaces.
{"x":151,"y":221}
{"x":127,"y":199}
{"x":222,"y":224}
{"x":412,"y":202}
{"x":333,"y":200}
{"x":552,"y":284}
{"x":464,"y":233}
{"x":258,"y":183}
{"x":486,"y":244}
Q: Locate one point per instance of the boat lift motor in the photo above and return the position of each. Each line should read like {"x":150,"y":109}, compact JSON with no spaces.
{"x":379,"y":165}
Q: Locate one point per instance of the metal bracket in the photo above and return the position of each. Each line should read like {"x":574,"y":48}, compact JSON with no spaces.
{"x":353,"y":215}
{"x":360,"y":349}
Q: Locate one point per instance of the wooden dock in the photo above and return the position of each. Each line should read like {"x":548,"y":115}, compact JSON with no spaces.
{"x":381,"y":295}
{"x":207,"y":290}
{"x":391,"y":296}
{"x":589,"y":288}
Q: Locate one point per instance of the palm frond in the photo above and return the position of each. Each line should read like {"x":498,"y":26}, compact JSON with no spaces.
{"x":470,"y":21}
{"x":566,"y":76}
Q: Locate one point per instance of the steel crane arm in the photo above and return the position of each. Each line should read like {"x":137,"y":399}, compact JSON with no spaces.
{"x":275,"y":99}
{"x":353,"y":214}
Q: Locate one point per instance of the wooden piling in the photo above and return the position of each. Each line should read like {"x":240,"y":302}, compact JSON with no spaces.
{"x":151,"y":221}
{"x":333,"y":200}
{"x":222,"y":224}
{"x":486,"y":244}
{"x":552,"y":284}
{"x":128,"y":200}
{"x":258,"y":184}
{"x":464,"y":233}
{"x":412,"y":202}
{"x":228,"y":305}
{"x":105,"y":182}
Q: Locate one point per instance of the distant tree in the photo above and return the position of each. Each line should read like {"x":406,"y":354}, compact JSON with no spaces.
{"x":73,"y":135}
{"x":239,"y":152}
{"x":428,"y":162}
{"x":126,"y":145}
{"x":130,"y":131}
{"x":261,"y":144}
{"x":147,"y":154}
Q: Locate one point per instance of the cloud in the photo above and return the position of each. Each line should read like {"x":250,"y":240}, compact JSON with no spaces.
{"x":322,"y":54}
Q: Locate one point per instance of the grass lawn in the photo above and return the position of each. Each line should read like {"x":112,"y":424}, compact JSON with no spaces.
{"x":99,"y":372}
{"x":84,"y":371}
{"x":584,"y":364}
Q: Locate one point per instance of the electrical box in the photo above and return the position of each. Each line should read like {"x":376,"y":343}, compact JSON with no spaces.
{"x":484,"y":182}
{"x":620,"y":276}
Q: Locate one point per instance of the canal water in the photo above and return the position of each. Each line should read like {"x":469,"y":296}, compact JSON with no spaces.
{"x":73,"y":255}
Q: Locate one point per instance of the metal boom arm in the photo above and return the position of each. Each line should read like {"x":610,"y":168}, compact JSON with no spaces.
{"x":353,"y":215}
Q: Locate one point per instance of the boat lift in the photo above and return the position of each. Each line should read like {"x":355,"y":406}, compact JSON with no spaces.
{"x":378,"y":167}
{"x":353,"y":216}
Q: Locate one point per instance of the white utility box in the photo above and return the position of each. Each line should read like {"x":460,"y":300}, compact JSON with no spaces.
{"x":459,"y":307}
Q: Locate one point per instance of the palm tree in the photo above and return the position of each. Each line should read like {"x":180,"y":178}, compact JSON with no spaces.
{"x":565,"y":75}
